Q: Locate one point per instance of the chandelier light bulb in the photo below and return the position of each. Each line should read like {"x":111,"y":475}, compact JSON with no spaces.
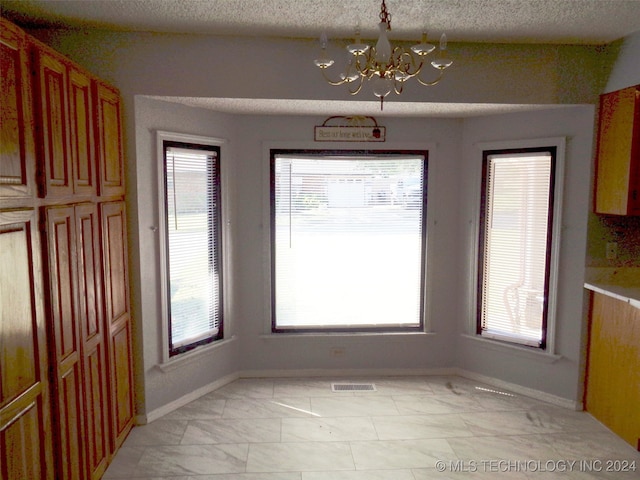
{"x":383,"y":47}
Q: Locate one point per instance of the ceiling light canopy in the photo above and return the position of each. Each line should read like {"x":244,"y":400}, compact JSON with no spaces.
{"x":387,"y":68}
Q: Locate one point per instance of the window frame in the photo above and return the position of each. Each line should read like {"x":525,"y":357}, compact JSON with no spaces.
{"x":195,"y":142}
{"x":382,"y":329}
{"x":551,"y":145}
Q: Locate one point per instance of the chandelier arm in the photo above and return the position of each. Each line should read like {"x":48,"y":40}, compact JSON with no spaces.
{"x":357,"y":90}
{"x":432,"y":83}
{"x":333,"y":82}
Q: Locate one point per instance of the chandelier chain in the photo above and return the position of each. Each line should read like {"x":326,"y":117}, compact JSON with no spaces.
{"x":385,"y":16}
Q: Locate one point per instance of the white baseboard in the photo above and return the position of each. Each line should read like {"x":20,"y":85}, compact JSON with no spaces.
{"x":526,"y":391}
{"x":194,"y":395}
{"x":355,"y":372}
{"x":185,"y":399}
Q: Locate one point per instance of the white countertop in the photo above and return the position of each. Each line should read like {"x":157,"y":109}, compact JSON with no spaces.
{"x":622,"y":283}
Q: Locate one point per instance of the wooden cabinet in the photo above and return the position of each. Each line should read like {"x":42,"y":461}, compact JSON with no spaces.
{"x":618,"y":160}
{"x":66,"y":373}
{"x":613,"y":366}
{"x":25,"y":429}
{"x":117,"y":317}
{"x":93,"y":340}
{"x":64,"y":111}
{"x":109,"y":137}
{"x":65,"y":356}
{"x":17,"y":155}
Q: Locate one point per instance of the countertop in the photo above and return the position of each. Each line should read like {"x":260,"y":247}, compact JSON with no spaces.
{"x":622,"y":283}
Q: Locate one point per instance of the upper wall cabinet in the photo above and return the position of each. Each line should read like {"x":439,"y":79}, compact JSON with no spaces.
{"x":618,"y":161}
{"x":64,"y":119}
{"x":108,"y":134}
{"x":17,"y":155}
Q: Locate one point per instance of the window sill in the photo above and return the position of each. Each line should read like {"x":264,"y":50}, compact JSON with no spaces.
{"x":270,"y":336}
{"x":193,"y":355}
{"x":521,"y":351}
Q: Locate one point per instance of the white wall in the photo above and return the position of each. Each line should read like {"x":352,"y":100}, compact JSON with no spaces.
{"x":208,"y":66}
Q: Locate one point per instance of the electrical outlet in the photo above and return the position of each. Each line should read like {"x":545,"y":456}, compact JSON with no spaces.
{"x":337,"y":352}
{"x":612,"y":250}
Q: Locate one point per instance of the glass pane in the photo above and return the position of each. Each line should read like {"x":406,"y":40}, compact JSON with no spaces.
{"x":348,"y":241}
{"x":515,"y":246}
{"x":191,"y":227}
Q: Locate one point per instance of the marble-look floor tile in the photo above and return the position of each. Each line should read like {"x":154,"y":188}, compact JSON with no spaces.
{"x":403,"y":386}
{"x":267,"y":408}
{"x":299,"y":457}
{"x":509,"y":447}
{"x":388,"y":454}
{"x":511,"y":422}
{"x":236,"y":430}
{"x":451,"y":473}
{"x":451,"y":384}
{"x":192,"y":460}
{"x":436,"y":404}
{"x":125,"y":462}
{"x":356,"y":406}
{"x":200,"y":409}
{"x":160,"y":432}
{"x":293,"y":387}
{"x":327,"y":429}
{"x":250,"y":476}
{"x":596,"y":445}
{"x":406,"y":427}
{"x":247,"y":387}
{"x":362,"y":475}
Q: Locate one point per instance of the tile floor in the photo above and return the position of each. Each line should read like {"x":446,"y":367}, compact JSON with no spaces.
{"x":410,"y":428}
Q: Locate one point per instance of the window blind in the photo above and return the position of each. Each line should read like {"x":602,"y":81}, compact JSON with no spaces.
{"x":348,"y":241}
{"x":192,"y":201}
{"x":515,"y":247}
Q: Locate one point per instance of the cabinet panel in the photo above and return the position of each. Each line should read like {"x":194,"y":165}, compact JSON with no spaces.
{"x":25,"y":431}
{"x":613,"y":371}
{"x":81,"y":132}
{"x":64,"y":331}
{"x":109,"y":137}
{"x":17,"y":155}
{"x":117,"y":318}
{"x":93,"y":339}
{"x":53,"y":124}
{"x":618,"y":165}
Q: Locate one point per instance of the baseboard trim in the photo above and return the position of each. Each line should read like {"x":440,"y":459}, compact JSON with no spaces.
{"x":526,"y":391}
{"x":341,"y":373}
{"x":185,"y":399}
{"x":355,"y":372}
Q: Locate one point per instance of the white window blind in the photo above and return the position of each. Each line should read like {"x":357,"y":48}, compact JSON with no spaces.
{"x":192,"y":206}
{"x":515,"y":242}
{"x":348,"y":242}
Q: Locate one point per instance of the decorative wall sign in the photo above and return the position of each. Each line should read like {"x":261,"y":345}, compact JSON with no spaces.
{"x":355,"y":129}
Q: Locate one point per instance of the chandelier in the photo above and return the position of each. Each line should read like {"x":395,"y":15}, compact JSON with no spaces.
{"x":386,"y":68}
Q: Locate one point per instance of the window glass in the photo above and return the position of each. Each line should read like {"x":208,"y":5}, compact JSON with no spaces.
{"x":193,"y":244}
{"x":515,"y":243}
{"x":348,"y":241}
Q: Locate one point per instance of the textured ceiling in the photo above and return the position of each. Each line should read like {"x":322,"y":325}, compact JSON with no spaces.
{"x":521,"y":21}
{"x":580,"y":22}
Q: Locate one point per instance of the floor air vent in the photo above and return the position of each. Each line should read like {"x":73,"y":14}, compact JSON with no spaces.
{"x":353,"y":387}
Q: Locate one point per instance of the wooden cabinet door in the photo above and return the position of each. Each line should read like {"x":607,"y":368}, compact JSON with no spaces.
{"x":17,"y":155}
{"x":117,"y":318}
{"x":618,"y":162}
{"x":25,"y":433}
{"x":81,"y":132}
{"x":52,"y":117}
{"x":613,"y":368}
{"x":109,"y":137}
{"x":96,"y":444}
{"x":64,"y":333}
